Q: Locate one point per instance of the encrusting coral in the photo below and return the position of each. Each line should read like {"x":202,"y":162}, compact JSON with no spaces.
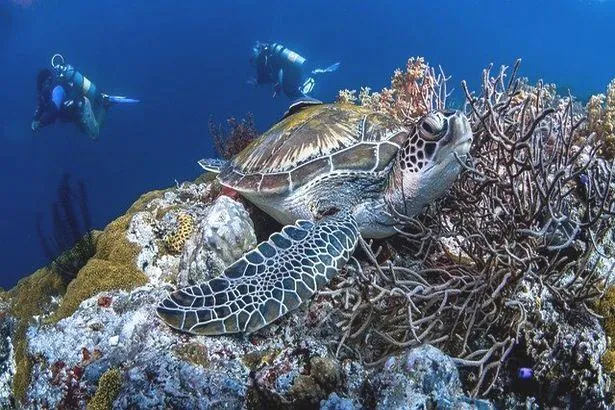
{"x":606,"y":308}
{"x":109,"y":387}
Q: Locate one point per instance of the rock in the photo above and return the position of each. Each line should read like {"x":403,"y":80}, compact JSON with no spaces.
{"x":326,"y":372}
{"x":7,"y":358}
{"x":335,"y":402}
{"x":566,"y":348}
{"x":114,"y":340}
{"x":222,"y":236}
{"x":424,"y":377}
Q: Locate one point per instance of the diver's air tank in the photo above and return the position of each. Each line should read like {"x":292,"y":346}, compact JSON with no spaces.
{"x":287,"y":55}
{"x":79,"y":82}
{"x":75,"y":79}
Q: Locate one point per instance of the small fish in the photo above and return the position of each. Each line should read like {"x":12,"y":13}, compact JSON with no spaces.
{"x":525,"y":373}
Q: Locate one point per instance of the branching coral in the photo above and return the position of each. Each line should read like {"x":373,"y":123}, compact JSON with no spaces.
{"x":233,"y":138}
{"x":532,"y":206}
{"x":601,"y":119}
{"x":413,"y":93}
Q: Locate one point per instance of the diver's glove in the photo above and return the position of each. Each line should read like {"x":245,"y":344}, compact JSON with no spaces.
{"x":36,"y":125}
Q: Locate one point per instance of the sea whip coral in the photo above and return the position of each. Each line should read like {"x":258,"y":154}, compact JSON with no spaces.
{"x":531,"y":209}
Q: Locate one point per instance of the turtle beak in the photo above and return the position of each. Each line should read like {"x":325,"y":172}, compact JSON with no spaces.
{"x":461,"y":129}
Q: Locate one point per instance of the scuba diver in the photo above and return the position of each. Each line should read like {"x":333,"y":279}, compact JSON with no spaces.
{"x":67,"y":95}
{"x":284,"y":68}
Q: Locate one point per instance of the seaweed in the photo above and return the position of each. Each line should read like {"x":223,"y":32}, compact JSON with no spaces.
{"x":71,"y":243}
{"x":231,"y":139}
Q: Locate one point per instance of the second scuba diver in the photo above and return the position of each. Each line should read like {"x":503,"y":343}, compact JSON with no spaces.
{"x":285,"y":69}
{"x":67,"y":95}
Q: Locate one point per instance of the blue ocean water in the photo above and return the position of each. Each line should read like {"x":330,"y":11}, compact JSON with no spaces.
{"x":188,"y":61}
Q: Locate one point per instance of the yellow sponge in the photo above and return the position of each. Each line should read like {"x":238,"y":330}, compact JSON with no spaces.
{"x":185,"y":226}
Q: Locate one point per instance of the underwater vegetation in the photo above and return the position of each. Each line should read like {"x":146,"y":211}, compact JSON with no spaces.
{"x":71,"y":242}
{"x":525,"y":218}
{"x":413,"y":93}
{"x":231,"y":139}
{"x":601,"y":119}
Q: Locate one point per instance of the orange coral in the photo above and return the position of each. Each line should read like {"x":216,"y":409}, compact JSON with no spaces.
{"x":232,"y":139}
{"x":413,"y":93}
{"x":601,"y":119}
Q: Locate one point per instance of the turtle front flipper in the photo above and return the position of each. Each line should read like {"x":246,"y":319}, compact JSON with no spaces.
{"x":267,"y":282}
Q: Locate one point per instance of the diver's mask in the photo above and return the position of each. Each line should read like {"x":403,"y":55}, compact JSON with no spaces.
{"x":257,"y":50}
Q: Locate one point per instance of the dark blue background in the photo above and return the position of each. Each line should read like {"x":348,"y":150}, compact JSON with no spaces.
{"x":188,"y":60}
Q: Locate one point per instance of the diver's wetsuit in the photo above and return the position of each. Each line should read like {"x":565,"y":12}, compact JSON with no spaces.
{"x":51,"y":107}
{"x":276,"y":64}
{"x":287,"y":70}
{"x":57,"y":100}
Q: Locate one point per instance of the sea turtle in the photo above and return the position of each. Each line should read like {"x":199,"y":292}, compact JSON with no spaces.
{"x":329,"y":172}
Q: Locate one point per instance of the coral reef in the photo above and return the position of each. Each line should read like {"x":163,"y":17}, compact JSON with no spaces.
{"x":185,"y":226}
{"x":109,"y":387}
{"x":413,"y":93}
{"x":233,"y":138}
{"x":490,"y":298}
{"x":601,"y":119}
{"x":422,"y":378}
{"x":7,"y":357}
{"x":533,"y":207}
{"x":111,"y":351}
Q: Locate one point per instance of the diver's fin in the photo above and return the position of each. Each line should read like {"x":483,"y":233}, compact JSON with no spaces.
{"x":212,"y":164}
{"x":308,"y":86}
{"x":333,"y":67}
{"x":118,"y":99}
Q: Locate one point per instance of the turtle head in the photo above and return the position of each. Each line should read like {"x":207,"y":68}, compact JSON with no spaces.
{"x":429,"y":161}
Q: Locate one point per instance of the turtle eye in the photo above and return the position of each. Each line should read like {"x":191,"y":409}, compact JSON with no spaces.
{"x":427,"y":127}
{"x":431,"y":126}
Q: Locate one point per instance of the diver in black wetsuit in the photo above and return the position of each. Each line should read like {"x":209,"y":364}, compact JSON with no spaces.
{"x":285,"y":69}
{"x":65,"y":94}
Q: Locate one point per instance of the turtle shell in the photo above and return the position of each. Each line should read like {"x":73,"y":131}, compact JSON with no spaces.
{"x":316,"y":140}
